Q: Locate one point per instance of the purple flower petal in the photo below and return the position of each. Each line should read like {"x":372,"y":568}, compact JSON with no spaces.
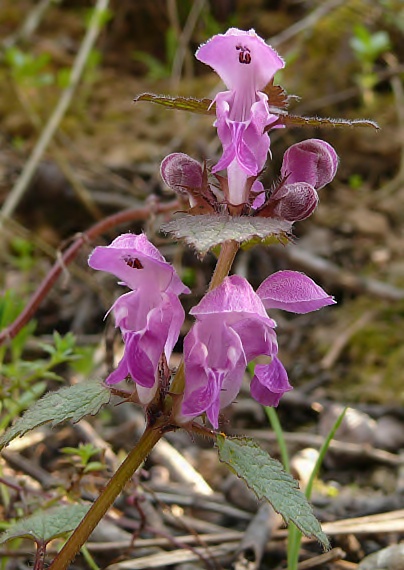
{"x":233,"y":295}
{"x":138,"y":263}
{"x":257,"y":194}
{"x":313,"y":161}
{"x":270,"y":382}
{"x":243,"y":60}
{"x":213,"y":370}
{"x":257,"y":336}
{"x":293,"y":291}
{"x":150,"y":316}
{"x":120,"y":373}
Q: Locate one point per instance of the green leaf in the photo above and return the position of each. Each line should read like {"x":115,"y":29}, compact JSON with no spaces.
{"x":267,"y":478}
{"x":201,"y":106}
{"x":71,"y":403}
{"x":43,"y":526}
{"x":206,"y":231}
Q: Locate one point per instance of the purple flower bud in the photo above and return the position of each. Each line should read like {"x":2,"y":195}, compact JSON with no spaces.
{"x":181,"y":173}
{"x":297,"y":202}
{"x":312,"y":161}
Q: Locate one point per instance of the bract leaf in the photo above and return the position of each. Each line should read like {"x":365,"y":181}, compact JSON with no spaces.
{"x":205,"y":231}
{"x":296,"y":121}
{"x":277,"y":96}
{"x":267,"y":478}
{"x":69,"y":403}
{"x":45,"y":525}
{"x":201,"y":106}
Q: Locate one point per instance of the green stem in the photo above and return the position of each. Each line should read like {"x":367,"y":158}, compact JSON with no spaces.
{"x":276,"y":426}
{"x":226,"y":257}
{"x":294,"y":534}
{"x":115,"y":485}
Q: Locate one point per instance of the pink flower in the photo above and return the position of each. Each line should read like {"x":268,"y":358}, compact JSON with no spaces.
{"x":150,"y":316}
{"x":246,"y":64}
{"x":232,"y":328}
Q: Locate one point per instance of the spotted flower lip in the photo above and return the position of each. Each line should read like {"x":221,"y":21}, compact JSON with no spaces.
{"x":246,"y":64}
{"x":150,"y":315}
{"x":129,"y":252}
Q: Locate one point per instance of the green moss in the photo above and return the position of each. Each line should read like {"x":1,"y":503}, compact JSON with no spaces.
{"x":373,"y":362}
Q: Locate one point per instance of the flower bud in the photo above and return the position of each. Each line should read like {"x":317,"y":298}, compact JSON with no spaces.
{"x":312,"y":161}
{"x":297,"y":202}
{"x":181,"y":172}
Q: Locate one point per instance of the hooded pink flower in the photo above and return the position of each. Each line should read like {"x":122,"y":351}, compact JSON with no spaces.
{"x":246,"y":64}
{"x":232,"y":328}
{"x":150,"y":316}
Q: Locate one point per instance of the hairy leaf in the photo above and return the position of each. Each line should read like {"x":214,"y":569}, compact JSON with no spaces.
{"x":43,"y":526}
{"x":70,"y":403}
{"x":277,"y":99}
{"x":206,"y":231}
{"x":295,"y":121}
{"x":201,"y":106}
{"x":267,"y":478}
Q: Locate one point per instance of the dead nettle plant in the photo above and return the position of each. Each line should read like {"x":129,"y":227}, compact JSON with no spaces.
{"x":226,"y":206}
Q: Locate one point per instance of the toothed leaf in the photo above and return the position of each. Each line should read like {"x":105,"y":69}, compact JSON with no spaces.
{"x":43,"y":526}
{"x":201,"y":106}
{"x":295,"y":121}
{"x":69,"y":403}
{"x":206,"y":231}
{"x":267,"y":478}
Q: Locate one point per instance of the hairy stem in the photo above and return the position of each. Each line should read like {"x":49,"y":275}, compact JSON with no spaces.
{"x":115,"y":485}
{"x":226,"y":257}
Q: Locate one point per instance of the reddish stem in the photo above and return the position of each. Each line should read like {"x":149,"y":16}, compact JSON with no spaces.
{"x":71,"y":252}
